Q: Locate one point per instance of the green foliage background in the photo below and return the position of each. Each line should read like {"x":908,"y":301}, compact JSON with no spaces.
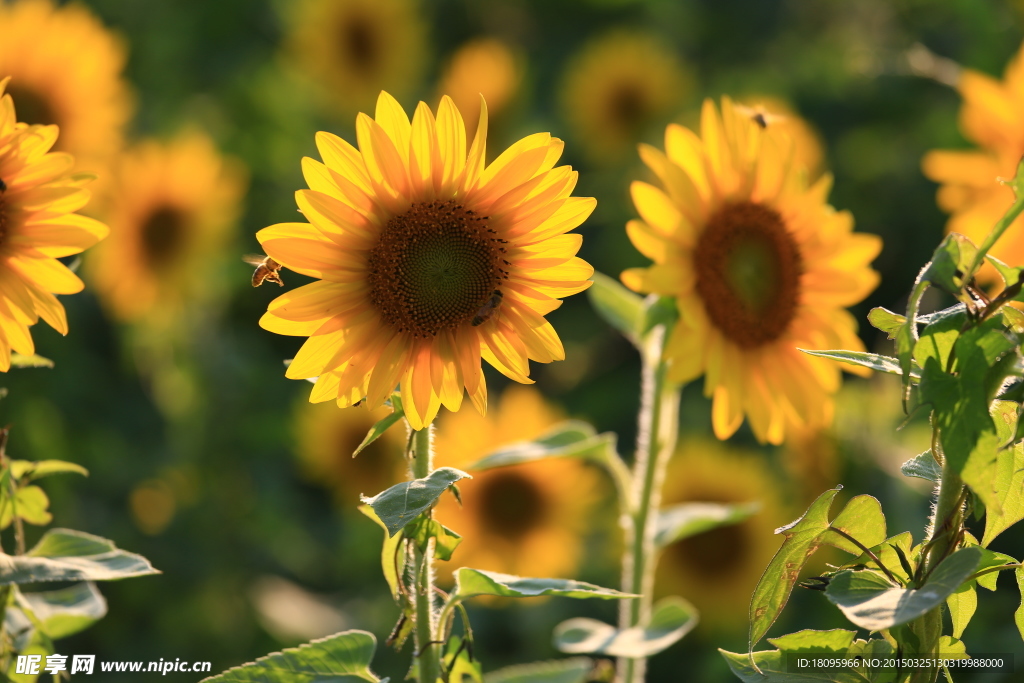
{"x":842,"y":65}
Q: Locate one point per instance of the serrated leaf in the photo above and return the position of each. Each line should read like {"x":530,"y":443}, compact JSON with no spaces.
{"x":392,"y":558}
{"x":68,"y":555}
{"x":619,"y":307}
{"x":342,"y":658}
{"x":689,"y":519}
{"x":404,"y":502}
{"x":473,"y":582}
{"x":922,"y":466}
{"x":886,"y":321}
{"x":671,"y":619}
{"x":962,"y":604}
{"x":861,"y":518}
{"x":33,"y":361}
{"x":380,"y":426}
{"x":869,"y":600}
{"x":997,"y":476}
{"x":573,"y":670}
{"x":65,"y":611}
{"x":873,"y":361}
{"x":44,"y":468}
{"x":773,"y":589}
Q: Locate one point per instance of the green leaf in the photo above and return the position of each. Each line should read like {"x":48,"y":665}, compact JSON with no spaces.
{"x":906,"y":336}
{"x":68,"y":555}
{"x":392,"y":557}
{"x":1018,"y":616}
{"x":962,"y":604}
{"x":689,"y":519}
{"x":404,"y":502}
{"x":997,"y":475}
{"x":937,"y":339}
{"x":382,"y":425}
{"x":871,"y":601}
{"x":43,"y":468}
{"x":886,"y":321}
{"x":771,"y":666}
{"x":620,"y":308}
{"x":950,"y":262}
{"x":460,"y":664}
{"x":574,"y":670}
{"x":989,"y":560}
{"x":923,"y":467}
{"x":889,"y":552}
{"x":422,"y":529}
{"x":31,"y":505}
{"x":33,"y":361}
{"x":342,"y":658}
{"x":1010,"y":275}
{"x":671,"y":619}
{"x":873,"y":361}
{"x":472,"y":582}
{"x":66,"y":611}
{"x":862,"y":518}
{"x":659,"y":310}
{"x":772,"y":592}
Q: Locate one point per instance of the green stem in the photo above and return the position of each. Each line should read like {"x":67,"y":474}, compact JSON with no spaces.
{"x":997,"y":232}
{"x":428,"y":652}
{"x":656,"y":441}
{"x":948,"y":519}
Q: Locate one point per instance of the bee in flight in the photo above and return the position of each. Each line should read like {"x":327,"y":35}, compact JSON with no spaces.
{"x":267,"y":269}
{"x":488,"y":309}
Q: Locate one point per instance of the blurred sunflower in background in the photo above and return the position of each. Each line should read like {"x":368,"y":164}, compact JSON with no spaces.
{"x":38,"y":198}
{"x":616,"y":86}
{"x":326,"y":438}
{"x":176,"y":204}
{"x":760,"y":266}
{"x":483,"y":66}
{"x":971,"y":192}
{"x":428,"y":260}
{"x":355,"y":48}
{"x":529,"y":519}
{"x":718,"y":569}
{"x":66,"y":70}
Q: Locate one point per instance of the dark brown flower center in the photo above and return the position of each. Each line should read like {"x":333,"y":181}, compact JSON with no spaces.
{"x":748,"y":273}
{"x":30,"y":106}
{"x":435,"y":267}
{"x":359,"y":43}
{"x":511,"y":504}
{"x":627,"y":105}
{"x":714,"y":556}
{"x":163,"y":236}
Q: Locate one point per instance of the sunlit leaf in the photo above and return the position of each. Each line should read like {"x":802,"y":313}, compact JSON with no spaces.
{"x":462,"y":667}
{"x":950,"y":262}
{"x":1018,"y":615}
{"x":573,"y":670}
{"x":689,"y":519}
{"x":962,"y":604}
{"x":68,"y":555}
{"x":382,"y":425}
{"x":392,"y":559}
{"x":472,"y":582}
{"x":33,"y":361}
{"x":404,"y":502}
{"x":873,"y":361}
{"x":886,"y":321}
{"x":342,"y":658}
{"x":44,"y":468}
{"x":671,"y":619}
{"x":65,"y":611}
{"x":861,"y":518}
{"x":923,"y":467}
{"x":773,"y":666}
{"x":421,"y":530}
{"x":31,"y":505}
{"x":869,"y":600}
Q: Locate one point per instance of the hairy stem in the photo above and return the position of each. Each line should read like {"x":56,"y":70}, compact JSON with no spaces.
{"x":656,"y":440}
{"x":428,"y":652}
{"x":948,"y":519}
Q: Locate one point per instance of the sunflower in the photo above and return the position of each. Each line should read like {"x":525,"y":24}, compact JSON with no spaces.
{"x":807,"y":148}
{"x":970,"y":189}
{"x":760,"y":267}
{"x":66,"y":70}
{"x":427,"y":261}
{"x":38,"y":225}
{"x":174,"y":209}
{"x":354,"y":48}
{"x":528,"y":519}
{"x":327,"y":437}
{"x":718,"y":569}
{"x":616,"y":86}
{"x":485,"y":66}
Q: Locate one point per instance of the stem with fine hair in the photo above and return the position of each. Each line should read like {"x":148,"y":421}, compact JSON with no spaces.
{"x":947,"y":520}
{"x":428,"y":652}
{"x":656,"y":441}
